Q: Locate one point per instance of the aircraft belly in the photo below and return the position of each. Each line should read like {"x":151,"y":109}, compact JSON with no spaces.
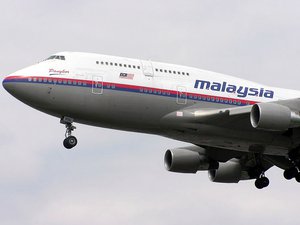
{"x":112,"y":109}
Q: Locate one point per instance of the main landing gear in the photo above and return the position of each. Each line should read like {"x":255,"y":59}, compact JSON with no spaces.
{"x":70,"y":141}
{"x":262,"y":181}
{"x":258,"y":172}
{"x":293,"y":172}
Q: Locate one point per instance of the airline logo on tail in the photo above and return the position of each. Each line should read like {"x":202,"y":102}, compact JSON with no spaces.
{"x":241,"y":91}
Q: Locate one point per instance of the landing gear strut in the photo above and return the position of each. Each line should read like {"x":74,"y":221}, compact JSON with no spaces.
{"x":70,"y":141}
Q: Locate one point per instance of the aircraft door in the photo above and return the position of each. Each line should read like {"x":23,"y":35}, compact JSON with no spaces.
{"x":97,"y":85}
{"x":181,"y":95}
{"x":147,"y":68}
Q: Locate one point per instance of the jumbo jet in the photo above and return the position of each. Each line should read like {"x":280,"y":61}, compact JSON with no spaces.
{"x":237,"y":129}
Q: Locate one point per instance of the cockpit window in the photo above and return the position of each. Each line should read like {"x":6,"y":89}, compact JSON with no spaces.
{"x":60,"y":57}
{"x":51,"y":57}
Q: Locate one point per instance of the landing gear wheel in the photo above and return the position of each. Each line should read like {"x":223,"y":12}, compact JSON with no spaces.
{"x":70,"y":142}
{"x":290,"y":173}
{"x":262,"y":182}
{"x":297,"y":177}
{"x":265,"y":181}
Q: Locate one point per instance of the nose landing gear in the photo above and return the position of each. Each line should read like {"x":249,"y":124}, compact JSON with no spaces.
{"x":70,"y":141}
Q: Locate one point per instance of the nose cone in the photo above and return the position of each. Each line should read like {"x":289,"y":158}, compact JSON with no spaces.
{"x":17,"y":87}
{"x":11,"y":83}
{"x":8,"y":85}
{"x":22,"y":88}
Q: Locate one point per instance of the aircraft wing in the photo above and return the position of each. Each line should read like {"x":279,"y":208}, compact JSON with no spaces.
{"x":220,"y":117}
{"x":235,"y":117}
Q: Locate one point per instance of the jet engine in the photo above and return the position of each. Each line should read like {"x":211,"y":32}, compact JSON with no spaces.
{"x":273,"y":117}
{"x":228,"y":172}
{"x":184,"y":160}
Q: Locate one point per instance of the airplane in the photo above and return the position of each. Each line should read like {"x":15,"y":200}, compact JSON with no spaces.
{"x":238,"y":129}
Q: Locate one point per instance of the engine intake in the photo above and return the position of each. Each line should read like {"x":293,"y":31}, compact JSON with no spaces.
{"x":273,"y":117}
{"x":187,"y":161}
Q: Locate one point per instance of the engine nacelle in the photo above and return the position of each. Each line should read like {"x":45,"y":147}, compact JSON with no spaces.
{"x":273,"y":117}
{"x":228,"y":172}
{"x":187,"y":161}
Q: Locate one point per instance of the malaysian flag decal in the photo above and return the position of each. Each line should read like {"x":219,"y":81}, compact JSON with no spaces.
{"x":126,"y":76}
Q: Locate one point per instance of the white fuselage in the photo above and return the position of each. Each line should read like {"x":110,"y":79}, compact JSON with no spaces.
{"x":131,"y":94}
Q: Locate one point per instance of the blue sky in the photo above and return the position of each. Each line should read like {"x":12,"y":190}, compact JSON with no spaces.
{"x":115,"y":177}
